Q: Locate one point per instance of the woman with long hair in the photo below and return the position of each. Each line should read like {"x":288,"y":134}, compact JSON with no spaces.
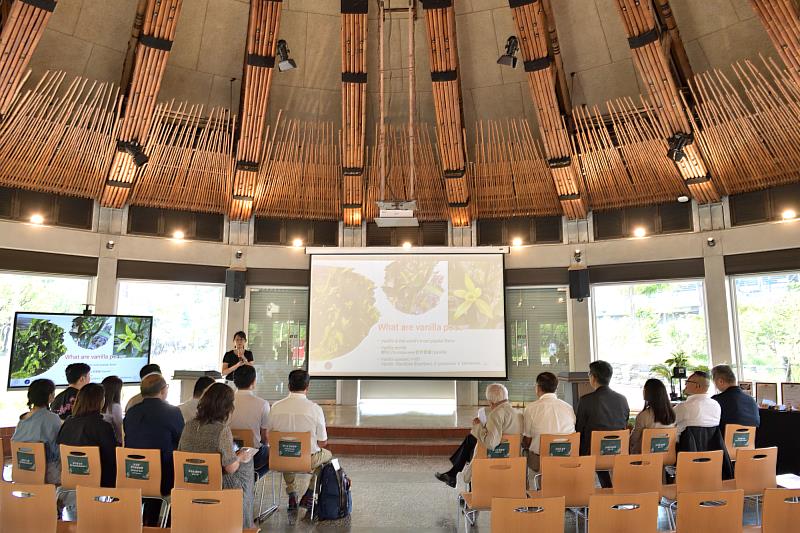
{"x":112,"y":409}
{"x":39,"y":424}
{"x":208,"y":432}
{"x":657,"y":412}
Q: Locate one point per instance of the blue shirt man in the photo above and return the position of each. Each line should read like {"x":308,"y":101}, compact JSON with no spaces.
{"x":737,"y":406}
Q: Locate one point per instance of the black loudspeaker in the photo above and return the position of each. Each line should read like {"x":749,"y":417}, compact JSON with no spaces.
{"x":235,"y":284}
{"x":578,"y":283}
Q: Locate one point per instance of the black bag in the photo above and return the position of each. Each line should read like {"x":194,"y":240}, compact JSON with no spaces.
{"x":335,"y":500}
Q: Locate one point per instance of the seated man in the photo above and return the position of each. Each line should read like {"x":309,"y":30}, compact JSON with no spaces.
{"x":546,"y":416}
{"x":737,"y":407}
{"x":189,"y":408}
{"x":146,"y":370}
{"x":501,"y":419}
{"x":602,"y":409}
{"x":296,"y":413}
{"x":78,"y":375}
{"x":252,"y":413}
{"x":699,"y":410}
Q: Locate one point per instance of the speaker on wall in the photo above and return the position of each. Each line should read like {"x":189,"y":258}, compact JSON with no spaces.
{"x":578,"y":282}
{"x":235,"y":284}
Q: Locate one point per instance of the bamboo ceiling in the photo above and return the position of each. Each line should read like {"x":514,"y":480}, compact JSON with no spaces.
{"x":61,"y":135}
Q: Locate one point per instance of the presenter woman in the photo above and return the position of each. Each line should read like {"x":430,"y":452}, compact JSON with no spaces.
{"x":237,"y":357}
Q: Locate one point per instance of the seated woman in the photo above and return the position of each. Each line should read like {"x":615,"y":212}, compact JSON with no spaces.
{"x":86,"y":427}
{"x":208,"y":432}
{"x":41,"y":425}
{"x":657,"y":412}
{"x":112,"y":409}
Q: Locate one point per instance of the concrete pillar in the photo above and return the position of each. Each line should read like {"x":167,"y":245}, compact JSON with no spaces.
{"x":580,"y":338}
{"x":105,"y":288}
{"x":717,"y":306}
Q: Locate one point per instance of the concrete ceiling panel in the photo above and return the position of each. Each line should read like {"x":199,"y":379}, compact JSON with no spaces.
{"x":65,"y":17}
{"x":500,"y":102}
{"x":580,"y":35}
{"x":185,"y":85}
{"x":189,"y":34}
{"x":58,"y":50}
{"x":744,"y":40}
{"x":223,"y":46}
{"x":293,"y":28}
{"x":104,"y":65}
{"x":595,"y":86}
{"x":322,"y":66}
{"x":613,"y":29}
{"x":108,"y":23}
{"x":477,"y":50}
{"x":696,"y":19}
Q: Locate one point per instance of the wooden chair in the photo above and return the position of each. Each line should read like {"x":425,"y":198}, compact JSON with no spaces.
{"x":217,"y":511}
{"x":710,"y":512}
{"x":102,"y":510}
{"x":28,"y":508}
{"x":662,"y":441}
{"x":754,"y":473}
{"x":781,"y":510}
{"x":608,"y":444}
{"x":80,"y":465}
{"x":289,"y":452}
{"x":141,"y":469}
{"x":739,"y":438}
{"x":197,"y":471}
{"x":493,"y":478}
{"x":527,"y":514}
{"x":638,"y":474}
{"x":552,"y":445}
{"x":571,"y":477}
{"x":624,"y":513}
{"x":696,"y":472}
{"x":28,"y":462}
{"x":509,"y":447}
{"x":243,"y":438}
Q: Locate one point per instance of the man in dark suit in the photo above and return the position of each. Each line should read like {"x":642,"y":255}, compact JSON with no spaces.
{"x":601,"y":409}
{"x":738,"y":407}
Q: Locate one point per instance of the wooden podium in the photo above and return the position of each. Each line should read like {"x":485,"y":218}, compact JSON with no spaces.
{"x":187,"y":378}
{"x":575,"y":385}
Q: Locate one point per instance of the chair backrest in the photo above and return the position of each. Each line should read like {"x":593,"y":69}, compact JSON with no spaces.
{"x":527,"y":514}
{"x":289,"y":452}
{"x":662,"y":441}
{"x":243,"y":437}
{"x":571,"y":477}
{"x":197,"y":471}
{"x":509,"y":447}
{"x":739,"y":438}
{"x":634,"y":474}
{"x":781,"y":510}
{"x":755,"y":469}
{"x":699,"y":471}
{"x":607,"y":444}
{"x":28,"y":508}
{"x":219,"y":511}
{"x":139,"y":469}
{"x":624,"y":513}
{"x":102,"y":510}
{"x":498,"y":478}
{"x":551,"y":445}
{"x":710,"y":512}
{"x":28,"y":462}
{"x":80,"y":465}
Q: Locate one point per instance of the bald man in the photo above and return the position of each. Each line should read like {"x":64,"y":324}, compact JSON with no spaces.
{"x":699,"y":410}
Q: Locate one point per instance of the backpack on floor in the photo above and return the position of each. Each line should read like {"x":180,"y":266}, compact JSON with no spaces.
{"x":334,"y":500}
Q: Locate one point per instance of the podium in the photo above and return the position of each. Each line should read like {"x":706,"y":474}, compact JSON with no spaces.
{"x":187,"y":379}
{"x":575,"y":384}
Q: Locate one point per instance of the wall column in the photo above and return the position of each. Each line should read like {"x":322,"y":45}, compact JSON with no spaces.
{"x":580,"y":335}
{"x":105,"y":290}
{"x":717,"y":307}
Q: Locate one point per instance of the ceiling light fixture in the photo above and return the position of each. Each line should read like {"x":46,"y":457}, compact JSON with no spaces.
{"x":639,"y":232}
{"x":285,"y":62}
{"x":677,"y":143}
{"x":110,"y":245}
{"x":134,"y":149}
{"x":178,"y":235}
{"x":509,"y":59}
{"x":683,"y":199}
{"x":789,"y":214}
{"x":297,"y":243}
{"x":37,"y":219}
{"x":406,"y":245}
{"x":516,"y":241}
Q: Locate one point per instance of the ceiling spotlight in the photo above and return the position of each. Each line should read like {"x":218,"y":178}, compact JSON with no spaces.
{"x":683,"y":199}
{"x":110,"y":245}
{"x":639,"y":232}
{"x":285,"y":63}
{"x":789,"y":214}
{"x":239,"y":254}
{"x":297,"y":243}
{"x":37,"y":219}
{"x":509,"y":59}
{"x":516,"y":241}
{"x":406,"y":245}
{"x":134,"y":149}
{"x":677,"y":143}
{"x":578,"y":255}
{"x":711,"y":242}
{"x":178,"y":234}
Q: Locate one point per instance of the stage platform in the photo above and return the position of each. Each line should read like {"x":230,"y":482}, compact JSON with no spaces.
{"x":396,"y":429}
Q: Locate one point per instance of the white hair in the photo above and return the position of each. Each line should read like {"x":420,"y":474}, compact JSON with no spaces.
{"x":496,"y":393}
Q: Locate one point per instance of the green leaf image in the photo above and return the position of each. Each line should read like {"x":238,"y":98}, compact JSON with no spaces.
{"x":38,"y":347}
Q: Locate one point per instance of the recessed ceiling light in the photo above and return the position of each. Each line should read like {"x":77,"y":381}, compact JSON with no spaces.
{"x":516,"y":241}
{"x":37,"y":219}
{"x":789,"y":214}
{"x":683,"y":199}
{"x":406,"y":245}
{"x":178,"y":234}
{"x":639,"y":232}
{"x":297,"y":243}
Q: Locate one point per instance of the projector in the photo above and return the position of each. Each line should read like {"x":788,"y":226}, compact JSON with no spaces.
{"x":396,"y":214}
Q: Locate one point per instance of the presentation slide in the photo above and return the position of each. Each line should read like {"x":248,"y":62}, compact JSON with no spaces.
{"x":407,"y":315}
{"x":44,"y":344}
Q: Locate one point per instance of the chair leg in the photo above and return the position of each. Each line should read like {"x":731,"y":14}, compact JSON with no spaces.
{"x":167,"y":507}
{"x":314,"y":495}
{"x":263,"y":514}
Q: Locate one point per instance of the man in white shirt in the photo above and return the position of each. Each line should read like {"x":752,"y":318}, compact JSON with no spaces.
{"x":699,"y":410}
{"x":296,"y":413}
{"x":546,"y":416}
{"x":189,"y":408}
{"x":252,"y":413}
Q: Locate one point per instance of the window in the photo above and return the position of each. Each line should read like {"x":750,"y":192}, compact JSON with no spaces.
{"x":767,"y":308}
{"x":763,"y":206}
{"x":673,"y":217}
{"x":637,"y":326}
{"x":426,"y":234}
{"x":277,"y":333}
{"x":187,"y":324}
{"x":311,"y":232}
{"x":502,"y":232}
{"x":20,"y":204}
{"x":165,"y":222}
{"x":537,"y":339}
{"x":32,"y":292}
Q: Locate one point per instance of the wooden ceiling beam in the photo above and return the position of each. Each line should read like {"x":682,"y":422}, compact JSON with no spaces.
{"x":675,"y":42}
{"x":781,"y":19}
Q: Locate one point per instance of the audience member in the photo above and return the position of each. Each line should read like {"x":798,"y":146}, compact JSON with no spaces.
{"x":238,"y":357}
{"x":546,"y":416}
{"x":252,"y":413}
{"x":657,"y":413}
{"x":78,"y":375}
{"x":86,"y":427}
{"x":155,"y":424}
{"x":737,"y":407}
{"x":602,"y":409}
{"x":501,"y":419}
{"x":112,"y":410}
{"x":41,"y":425}
{"x":146,"y":370}
{"x":296,"y":413}
{"x":209,"y":432}
{"x":189,"y":408}
{"x":699,"y":410}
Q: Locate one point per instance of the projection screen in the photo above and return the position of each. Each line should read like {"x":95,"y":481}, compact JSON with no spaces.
{"x":407,"y":315}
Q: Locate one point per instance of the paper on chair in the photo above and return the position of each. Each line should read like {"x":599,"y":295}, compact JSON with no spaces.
{"x":482,"y":415}
{"x":788,"y":481}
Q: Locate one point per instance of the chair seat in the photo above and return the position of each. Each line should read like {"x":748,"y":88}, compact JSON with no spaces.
{"x":730,"y":484}
{"x":751,"y":529}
